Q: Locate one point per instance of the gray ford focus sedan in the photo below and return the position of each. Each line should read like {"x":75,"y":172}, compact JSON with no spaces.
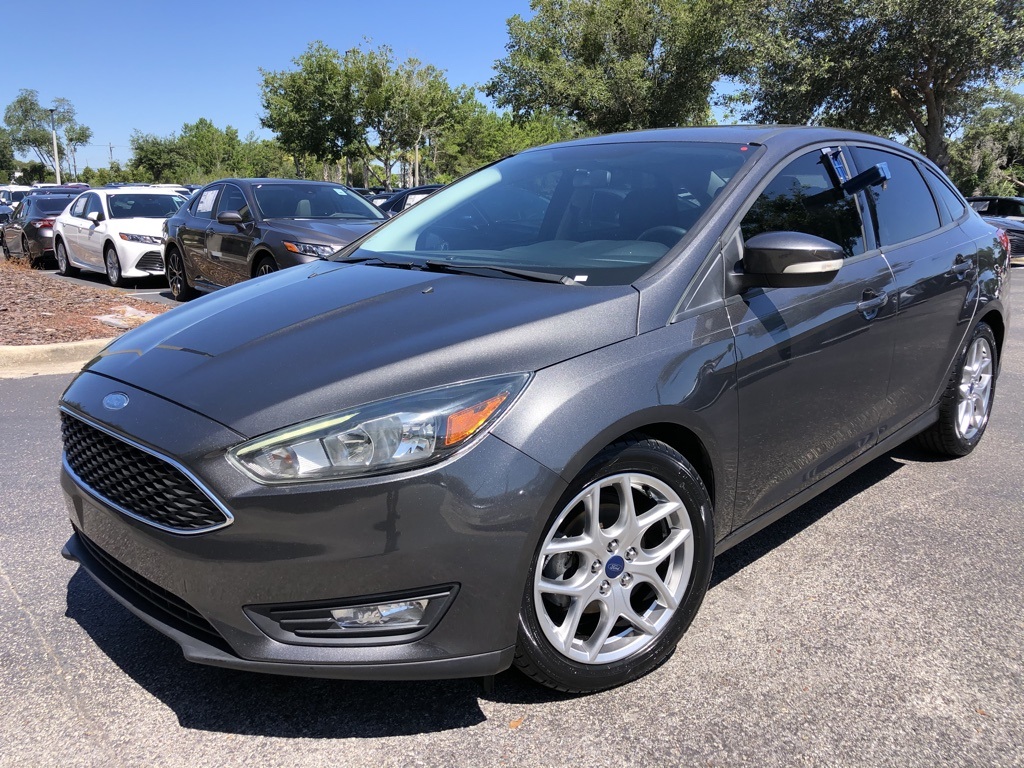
{"x":516,"y":423}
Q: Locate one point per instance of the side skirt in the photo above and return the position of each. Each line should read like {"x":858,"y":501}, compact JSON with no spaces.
{"x":897,"y":438}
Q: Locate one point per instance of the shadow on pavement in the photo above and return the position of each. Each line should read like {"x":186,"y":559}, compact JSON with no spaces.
{"x":228,"y":701}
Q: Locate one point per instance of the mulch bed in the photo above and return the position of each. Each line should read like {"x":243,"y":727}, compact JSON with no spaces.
{"x":38,"y":308}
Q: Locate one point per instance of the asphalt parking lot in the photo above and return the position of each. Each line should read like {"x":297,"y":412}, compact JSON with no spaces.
{"x":881,"y":624}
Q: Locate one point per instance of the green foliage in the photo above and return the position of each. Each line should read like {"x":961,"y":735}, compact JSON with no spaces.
{"x":311,"y":109}
{"x":615,"y":65}
{"x":989,"y":158}
{"x":7,"y":162}
{"x":904,"y":67}
{"x":29,"y":126}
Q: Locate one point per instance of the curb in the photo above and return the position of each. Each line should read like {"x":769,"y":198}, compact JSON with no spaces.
{"x":33,"y":359}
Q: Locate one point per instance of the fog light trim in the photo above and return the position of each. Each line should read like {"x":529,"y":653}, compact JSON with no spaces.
{"x":361,"y":621}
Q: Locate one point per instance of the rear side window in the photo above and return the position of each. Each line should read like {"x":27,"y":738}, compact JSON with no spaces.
{"x":903,"y":207}
{"x":802,"y":198}
{"x":947,"y":197}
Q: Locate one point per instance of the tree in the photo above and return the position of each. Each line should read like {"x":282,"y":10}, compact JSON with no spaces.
{"x":7,"y":162}
{"x":989,"y":156}
{"x":311,"y":109}
{"x":903,"y":67}
{"x":30,"y":128}
{"x":615,"y":65}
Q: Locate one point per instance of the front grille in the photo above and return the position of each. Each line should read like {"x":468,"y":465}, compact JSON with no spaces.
{"x":1016,"y":243}
{"x":156,"y":595}
{"x":151,"y":261}
{"x":140,"y":484}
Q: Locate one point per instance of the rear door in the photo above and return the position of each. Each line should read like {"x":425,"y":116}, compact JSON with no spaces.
{"x":813,"y":363}
{"x":934,"y":264}
{"x":229,"y":244}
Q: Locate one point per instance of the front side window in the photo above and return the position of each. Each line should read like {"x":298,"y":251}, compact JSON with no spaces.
{"x":597,"y":213}
{"x":802,"y":198}
{"x":902,"y":207}
{"x":233,"y":200}
{"x":93,"y":205}
{"x":202,"y":206}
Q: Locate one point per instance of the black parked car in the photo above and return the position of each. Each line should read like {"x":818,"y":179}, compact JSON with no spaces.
{"x":235,"y":229}
{"x":516,"y":425}
{"x":406,"y":198}
{"x":29,"y":233}
{"x":1008,"y":214}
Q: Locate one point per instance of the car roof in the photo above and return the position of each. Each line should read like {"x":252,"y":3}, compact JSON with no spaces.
{"x":780,"y":137}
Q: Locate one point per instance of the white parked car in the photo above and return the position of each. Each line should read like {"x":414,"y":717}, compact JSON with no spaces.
{"x":116,"y":231}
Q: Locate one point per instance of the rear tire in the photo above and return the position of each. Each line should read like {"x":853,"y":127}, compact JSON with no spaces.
{"x":113,"y":265}
{"x":177,"y":277}
{"x":63,"y":263}
{"x":620,"y":571}
{"x":966,"y":404}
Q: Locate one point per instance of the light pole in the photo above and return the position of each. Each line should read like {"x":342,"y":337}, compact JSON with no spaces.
{"x":56,"y":157}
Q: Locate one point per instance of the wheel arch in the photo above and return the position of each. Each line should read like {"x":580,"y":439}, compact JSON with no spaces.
{"x":994,"y":319}
{"x":259,"y":253}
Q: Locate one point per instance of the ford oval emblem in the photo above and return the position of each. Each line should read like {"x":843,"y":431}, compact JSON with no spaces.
{"x":115,"y":401}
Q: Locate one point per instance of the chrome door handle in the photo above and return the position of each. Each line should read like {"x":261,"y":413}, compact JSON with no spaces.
{"x":872,"y":302}
{"x":961,"y":266}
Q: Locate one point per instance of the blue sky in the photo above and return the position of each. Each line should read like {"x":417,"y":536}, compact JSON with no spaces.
{"x":141,"y":65}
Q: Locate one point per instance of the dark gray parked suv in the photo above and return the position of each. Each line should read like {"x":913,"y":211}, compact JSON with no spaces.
{"x":516,"y":423}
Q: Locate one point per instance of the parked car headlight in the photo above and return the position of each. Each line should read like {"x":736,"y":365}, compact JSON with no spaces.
{"x":310,"y":249}
{"x":147,"y":239}
{"x":385,"y":436}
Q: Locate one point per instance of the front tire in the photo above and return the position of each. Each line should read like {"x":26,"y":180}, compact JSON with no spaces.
{"x":266,"y":266}
{"x":967,"y":402}
{"x":621,"y":569}
{"x":113,"y":266}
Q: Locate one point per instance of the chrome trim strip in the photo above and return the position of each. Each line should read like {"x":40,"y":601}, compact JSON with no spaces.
{"x":177,"y":465}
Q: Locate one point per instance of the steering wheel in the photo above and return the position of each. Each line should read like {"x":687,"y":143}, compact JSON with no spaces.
{"x":665,"y":234}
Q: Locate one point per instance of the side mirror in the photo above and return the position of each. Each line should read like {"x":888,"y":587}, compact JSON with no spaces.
{"x":229,"y":217}
{"x":790,"y":260}
{"x":94,"y":216}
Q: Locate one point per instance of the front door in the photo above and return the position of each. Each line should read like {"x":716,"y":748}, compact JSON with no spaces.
{"x":229,"y":244}
{"x":813,"y":363}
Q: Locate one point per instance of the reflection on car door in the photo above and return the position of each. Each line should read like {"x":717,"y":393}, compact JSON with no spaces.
{"x":936,"y":282}
{"x":93,"y":234}
{"x":192,"y":233}
{"x":813,"y":363}
{"x":229,"y":244}
{"x":73,"y":226}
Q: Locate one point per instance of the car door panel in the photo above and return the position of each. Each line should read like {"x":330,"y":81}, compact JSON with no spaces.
{"x":229,"y":244}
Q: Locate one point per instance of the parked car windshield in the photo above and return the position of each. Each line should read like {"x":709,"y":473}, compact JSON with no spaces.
{"x":144,"y":205}
{"x":600,"y":214}
{"x":311,"y":201}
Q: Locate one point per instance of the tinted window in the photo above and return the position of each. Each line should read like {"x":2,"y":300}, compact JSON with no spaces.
{"x":903,"y":207}
{"x":145,"y":205}
{"x":52,"y":203}
{"x":93,"y":205}
{"x":202,"y":206}
{"x":802,"y":198}
{"x":233,"y":200}
{"x":1007,"y":207}
{"x":951,"y":200}
{"x":311,"y":201}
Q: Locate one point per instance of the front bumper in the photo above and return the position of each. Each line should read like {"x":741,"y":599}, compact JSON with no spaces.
{"x":140,"y":259}
{"x":470,"y":523}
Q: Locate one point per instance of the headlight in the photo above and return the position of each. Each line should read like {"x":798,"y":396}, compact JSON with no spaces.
{"x":147,"y":239}
{"x":310,"y":249}
{"x":386,"y":436}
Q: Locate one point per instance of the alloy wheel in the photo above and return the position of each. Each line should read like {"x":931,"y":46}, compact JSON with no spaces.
{"x":975,"y":392}
{"x":613,"y":568}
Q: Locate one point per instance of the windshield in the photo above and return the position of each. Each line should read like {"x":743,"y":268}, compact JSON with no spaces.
{"x":312,"y":201}
{"x":144,"y":205}
{"x":598,"y":214}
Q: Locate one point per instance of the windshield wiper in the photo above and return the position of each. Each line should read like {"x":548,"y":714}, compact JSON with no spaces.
{"x":524,"y":274}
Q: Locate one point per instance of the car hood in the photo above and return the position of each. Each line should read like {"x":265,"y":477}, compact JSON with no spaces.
{"x":324,"y":231}
{"x":138,"y":226}
{"x":325,"y":336}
